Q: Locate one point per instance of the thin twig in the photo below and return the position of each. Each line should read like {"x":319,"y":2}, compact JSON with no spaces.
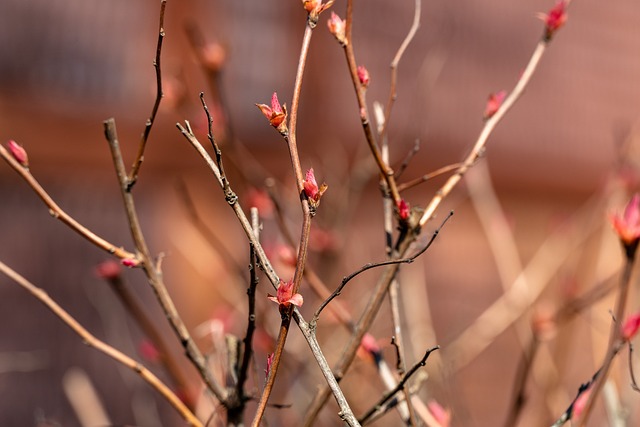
{"x":247,"y":348}
{"x":385,"y":170}
{"x":615,"y":341}
{"x":369,"y":266}
{"x":332,"y":384}
{"x":634,"y":383}
{"x":385,"y":280}
{"x":315,"y":282}
{"x":133,"y":175}
{"x":393,"y":94}
{"x":405,"y":163}
{"x":487,"y":130}
{"x":101,"y":346}
{"x":405,"y":408}
{"x":58,"y":213}
{"x":428,"y":176}
{"x":291,"y":139}
{"x":522,"y":375}
{"x":138,"y":313}
{"x":388,"y":395}
{"x":154,"y":276}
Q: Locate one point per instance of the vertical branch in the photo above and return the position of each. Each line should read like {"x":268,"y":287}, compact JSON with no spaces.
{"x":251,"y":296}
{"x":393,"y":95}
{"x":133,"y":175}
{"x":385,"y":170}
{"x":306,"y":227}
{"x":154,"y":276}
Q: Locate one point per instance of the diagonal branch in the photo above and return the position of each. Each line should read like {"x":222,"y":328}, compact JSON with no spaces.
{"x":101,"y":346}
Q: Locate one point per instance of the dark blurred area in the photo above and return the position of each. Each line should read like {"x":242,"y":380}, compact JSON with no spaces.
{"x":65,"y":66}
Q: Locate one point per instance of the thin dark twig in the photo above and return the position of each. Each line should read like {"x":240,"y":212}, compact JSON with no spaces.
{"x":566,"y":415}
{"x":405,"y":163}
{"x":369,"y":266}
{"x":251,"y":296}
{"x":634,"y":384}
{"x":615,"y":339}
{"x":154,"y":276}
{"x":133,"y":175}
{"x":428,"y":176}
{"x":308,"y":333}
{"x":524,"y":369}
{"x":388,"y":395}
{"x":228,"y":194}
{"x":236,"y":408}
{"x":385,"y":170}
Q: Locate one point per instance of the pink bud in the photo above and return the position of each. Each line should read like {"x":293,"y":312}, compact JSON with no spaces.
{"x":269,"y":363}
{"x":627,"y":226}
{"x":311,"y":189}
{"x":337,"y":27}
{"x":310,"y":185}
{"x":18,"y":153}
{"x":108,"y":270}
{"x":285,"y":296}
{"x":276,"y":114}
{"x":494,"y":103}
{"x":130,"y":262}
{"x":315,"y":7}
{"x":403,"y":210}
{"x":363,"y":76}
{"x":554,"y":19}
{"x":631,"y":326}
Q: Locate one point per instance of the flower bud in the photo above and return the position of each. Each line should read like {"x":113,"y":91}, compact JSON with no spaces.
{"x":130,"y":262}
{"x":493,"y":103}
{"x":363,"y":76}
{"x":276,"y":114}
{"x":403,"y":210}
{"x":337,"y":27}
{"x":554,"y":19}
{"x":631,"y":326}
{"x":18,"y":153}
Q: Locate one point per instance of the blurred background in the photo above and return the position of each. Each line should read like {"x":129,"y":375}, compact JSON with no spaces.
{"x":565,"y":156}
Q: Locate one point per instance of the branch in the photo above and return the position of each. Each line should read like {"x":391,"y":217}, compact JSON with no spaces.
{"x":487,"y":130}
{"x":369,"y":266}
{"x":388,"y":395}
{"x":393,"y":95}
{"x":154,"y":276}
{"x":133,"y":175}
{"x":101,"y":346}
{"x":385,"y":170}
{"x":58,"y":213}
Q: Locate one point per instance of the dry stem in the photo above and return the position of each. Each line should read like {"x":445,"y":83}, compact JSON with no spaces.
{"x":101,"y":346}
{"x":58,"y":213}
